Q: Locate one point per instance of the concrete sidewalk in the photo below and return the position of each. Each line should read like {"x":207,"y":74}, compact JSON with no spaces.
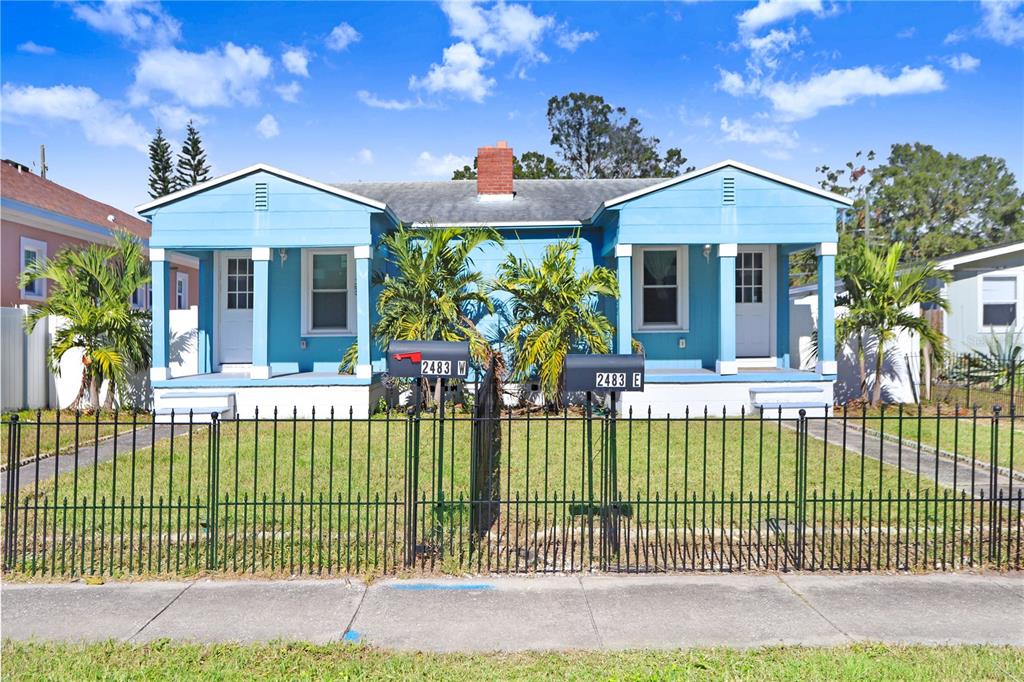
{"x":524,"y":613}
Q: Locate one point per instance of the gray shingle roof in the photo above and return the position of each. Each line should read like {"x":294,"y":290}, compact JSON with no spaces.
{"x":535,"y":200}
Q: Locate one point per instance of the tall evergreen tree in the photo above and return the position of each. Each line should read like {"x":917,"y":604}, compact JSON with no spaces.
{"x":192,"y":166}
{"x":161,"y":169}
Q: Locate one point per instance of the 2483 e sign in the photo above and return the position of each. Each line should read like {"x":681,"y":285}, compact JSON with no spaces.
{"x":604,"y":373}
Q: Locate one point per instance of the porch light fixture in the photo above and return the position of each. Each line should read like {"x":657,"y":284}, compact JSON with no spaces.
{"x":283,"y":253}
{"x":707,"y":252}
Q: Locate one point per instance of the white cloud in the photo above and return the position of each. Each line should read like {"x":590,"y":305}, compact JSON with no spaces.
{"x":963,"y":62}
{"x":289,"y":92}
{"x":732,"y":83}
{"x":500,"y":29}
{"x":907,"y":33}
{"x":778,"y":141}
{"x":267,"y":127}
{"x":1003,"y":20}
{"x":570,"y":40}
{"x":954,"y":37}
{"x":768,"y":12}
{"x":296,"y":61}
{"x":342,"y":36}
{"x":461,"y":73}
{"x":372,"y":100}
{"x":365,"y":156}
{"x":804,"y":99}
{"x":138,"y":22}
{"x":441,"y":167}
{"x":174,"y":118}
{"x":765,"y":50}
{"x":32,"y":47}
{"x":101,"y":120}
{"x":202,"y":79}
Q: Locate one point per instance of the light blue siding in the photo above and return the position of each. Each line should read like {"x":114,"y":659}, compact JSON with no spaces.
{"x":297,"y":215}
{"x":624,"y":324}
{"x":765,"y":212}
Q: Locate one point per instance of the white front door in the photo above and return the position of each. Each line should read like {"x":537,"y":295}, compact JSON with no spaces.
{"x":755,"y":300}
{"x":234,"y":307}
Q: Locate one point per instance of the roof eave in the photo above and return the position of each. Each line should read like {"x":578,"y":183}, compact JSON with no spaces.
{"x":143,"y":209}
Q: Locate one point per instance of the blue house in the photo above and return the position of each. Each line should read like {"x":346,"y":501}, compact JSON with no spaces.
{"x":286,"y":263}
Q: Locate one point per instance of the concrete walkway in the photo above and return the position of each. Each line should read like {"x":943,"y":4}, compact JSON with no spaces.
{"x":528,"y":613}
{"x":94,"y":453}
{"x":957,"y":475}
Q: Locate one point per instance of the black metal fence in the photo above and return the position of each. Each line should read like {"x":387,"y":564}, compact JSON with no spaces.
{"x":484,"y":491}
{"x":977,"y":379}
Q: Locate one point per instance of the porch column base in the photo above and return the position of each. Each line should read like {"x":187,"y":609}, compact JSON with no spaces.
{"x":364,"y":371}
{"x":726,"y":366}
{"x":827,"y":367}
{"x":159,"y":374}
{"x":259,"y":372}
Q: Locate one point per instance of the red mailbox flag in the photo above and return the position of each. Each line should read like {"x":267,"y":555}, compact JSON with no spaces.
{"x":414,"y":358}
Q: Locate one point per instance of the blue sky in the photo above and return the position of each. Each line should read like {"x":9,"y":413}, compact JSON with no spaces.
{"x":377,"y":91}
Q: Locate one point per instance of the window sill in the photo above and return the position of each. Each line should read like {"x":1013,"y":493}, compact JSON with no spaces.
{"x":662,"y":330}
{"x":327,"y":332}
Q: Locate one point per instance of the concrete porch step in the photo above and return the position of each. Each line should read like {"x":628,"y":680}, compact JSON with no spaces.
{"x":201,"y":404}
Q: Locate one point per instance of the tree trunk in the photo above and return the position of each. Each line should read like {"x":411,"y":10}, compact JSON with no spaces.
{"x":94,"y":392}
{"x":879,"y":360}
{"x":927,"y":369}
{"x":77,"y":402}
{"x":862,"y":366}
{"x":108,"y":402}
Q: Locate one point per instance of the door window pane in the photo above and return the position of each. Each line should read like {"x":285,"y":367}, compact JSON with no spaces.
{"x":750,"y":277}
{"x":240,"y":284}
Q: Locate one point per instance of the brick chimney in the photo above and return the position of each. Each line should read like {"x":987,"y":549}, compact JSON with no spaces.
{"x":494,"y":172}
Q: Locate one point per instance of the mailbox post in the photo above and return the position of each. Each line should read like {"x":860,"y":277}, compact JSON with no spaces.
{"x":614,"y":374}
{"x":420,"y":360}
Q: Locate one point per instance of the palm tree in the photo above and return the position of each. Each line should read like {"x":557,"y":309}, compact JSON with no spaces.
{"x":554,"y":311}
{"x":91,"y":290}
{"x":429,"y":290}
{"x":878,"y":293}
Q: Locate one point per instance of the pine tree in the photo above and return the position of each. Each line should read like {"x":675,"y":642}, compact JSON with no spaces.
{"x":192,"y":166}
{"x":161,"y":168}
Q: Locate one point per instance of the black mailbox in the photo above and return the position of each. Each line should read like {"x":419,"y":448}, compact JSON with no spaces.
{"x":445,"y":359}
{"x":604,"y":373}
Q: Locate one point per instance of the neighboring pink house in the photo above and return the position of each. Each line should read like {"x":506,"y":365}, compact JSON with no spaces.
{"x":38,"y":218}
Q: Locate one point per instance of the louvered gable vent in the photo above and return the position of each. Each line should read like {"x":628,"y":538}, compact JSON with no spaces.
{"x":728,"y":191}
{"x":261,"y":199}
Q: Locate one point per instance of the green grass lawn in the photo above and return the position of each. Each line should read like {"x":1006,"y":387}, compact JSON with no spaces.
{"x":41,"y":434}
{"x":968,"y":436}
{"x":164,"y":660}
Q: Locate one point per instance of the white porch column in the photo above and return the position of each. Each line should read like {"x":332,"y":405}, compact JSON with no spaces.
{"x":260,"y":313}
{"x":827,"y":365}
{"x":161,"y":274}
{"x":362,"y":253}
{"x":624,"y":318}
{"x":726,"y":363}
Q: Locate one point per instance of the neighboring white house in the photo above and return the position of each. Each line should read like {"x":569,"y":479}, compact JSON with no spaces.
{"x":984,"y":294}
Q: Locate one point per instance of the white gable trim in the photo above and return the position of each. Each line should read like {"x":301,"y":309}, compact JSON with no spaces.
{"x":215,"y":182}
{"x":950,"y":263}
{"x":728,"y":163}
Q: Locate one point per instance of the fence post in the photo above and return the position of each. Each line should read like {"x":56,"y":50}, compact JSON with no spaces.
{"x":11,"y":493}
{"x":212,"y":490}
{"x":801,"y":487}
{"x":993,"y":474}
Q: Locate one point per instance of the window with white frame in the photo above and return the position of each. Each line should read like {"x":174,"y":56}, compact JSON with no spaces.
{"x":181,"y":290}
{"x":33,"y":251}
{"x":660,"y":284}
{"x":998,"y":301}
{"x":327,"y":288}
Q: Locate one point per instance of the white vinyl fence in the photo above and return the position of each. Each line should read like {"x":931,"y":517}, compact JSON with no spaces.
{"x":27,"y":382}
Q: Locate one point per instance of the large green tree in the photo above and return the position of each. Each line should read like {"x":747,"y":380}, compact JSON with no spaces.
{"x":935,"y":203}
{"x":91,"y":289}
{"x":596,"y":140}
{"x":161,"y":169}
{"x":192,"y":165}
{"x":554,"y":309}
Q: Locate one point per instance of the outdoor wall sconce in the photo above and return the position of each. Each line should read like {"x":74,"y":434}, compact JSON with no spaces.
{"x":283,"y":253}
{"x":707,"y":252}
